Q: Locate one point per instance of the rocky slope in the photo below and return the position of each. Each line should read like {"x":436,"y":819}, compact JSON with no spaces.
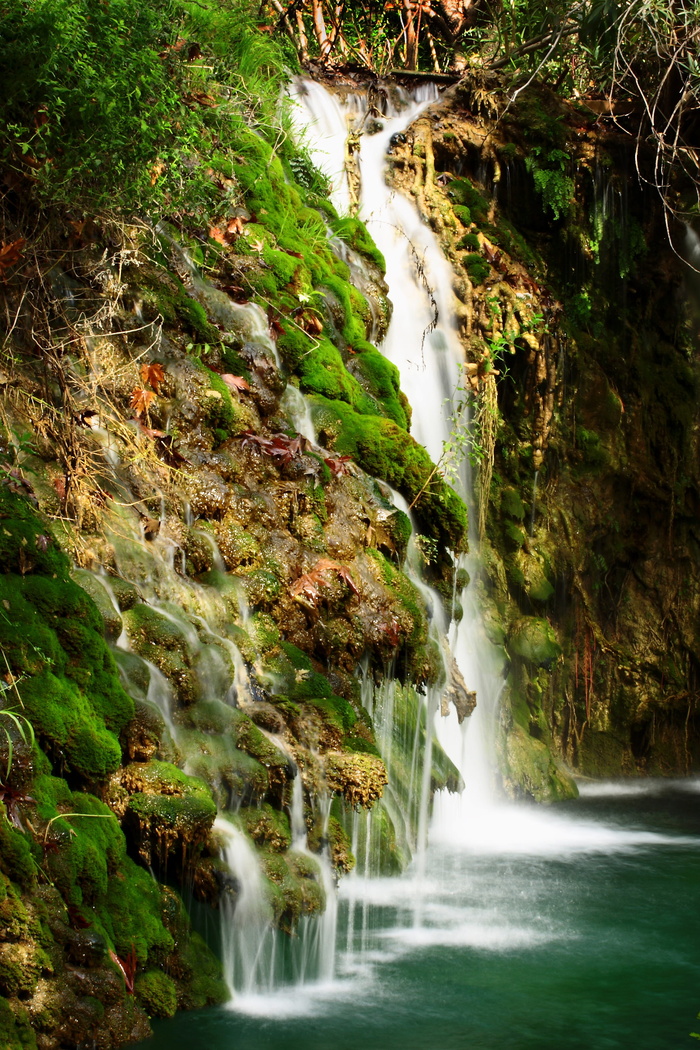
{"x":190,"y":586}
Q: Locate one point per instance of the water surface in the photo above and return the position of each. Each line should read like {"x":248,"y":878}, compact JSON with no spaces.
{"x":569,"y":928}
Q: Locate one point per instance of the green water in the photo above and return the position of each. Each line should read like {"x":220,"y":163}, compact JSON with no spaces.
{"x":572,"y":929}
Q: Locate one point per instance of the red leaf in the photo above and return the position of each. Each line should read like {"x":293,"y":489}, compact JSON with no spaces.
{"x":127,"y":967}
{"x":149,"y":432}
{"x":338,"y":465}
{"x":307,"y":589}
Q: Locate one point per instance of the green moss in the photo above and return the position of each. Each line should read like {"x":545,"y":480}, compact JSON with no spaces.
{"x":386,"y":451}
{"x":531,"y":772}
{"x":382,"y":379}
{"x":267,"y":827}
{"x":251,"y":740}
{"x":16,"y":1031}
{"x":223,"y":413}
{"x":92,"y":845}
{"x":194,"y":317}
{"x":511,"y":504}
{"x":477,"y":268}
{"x":336,"y":711}
{"x":356,"y":235}
{"x":534,"y":641}
{"x":167,"y":802}
{"x":465,"y":194}
{"x":15,"y":854}
{"x":51,"y":633}
{"x":463,"y":214}
{"x":470,"y":242}
{"x":27,"y":544}
{"x":516,"y":536}
{"x":157,"y":993}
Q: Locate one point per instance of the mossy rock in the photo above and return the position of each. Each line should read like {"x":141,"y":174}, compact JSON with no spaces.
{"x":477,"y":268}
{"x":51,"y":634}
{"x":27,"y":544}
{"x":267,"y":827}
{"x":388,"y":855}
{"x":511,"y":504}
{"x":386,"y":451}
{"x":92,"y":585}
{"x":534,"y":641}
{"x":16,"y":1032}
{"x":148,"y":629}
{"x":157,"y":993}
{"x":16,"y":859}
{"x":530,"y":771}
{"x":165,"y":807}
{"x":359,"y":778}
{"x":164,"y":642}
{"x":236,"y":777}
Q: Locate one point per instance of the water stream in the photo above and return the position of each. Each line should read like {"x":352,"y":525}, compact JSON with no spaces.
{"x":516,"y":927}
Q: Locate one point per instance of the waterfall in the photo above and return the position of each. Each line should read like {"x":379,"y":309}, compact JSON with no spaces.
{"x":423,"y":342}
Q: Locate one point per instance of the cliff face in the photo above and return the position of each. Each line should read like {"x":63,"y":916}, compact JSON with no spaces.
{"x":192,"y":578}
{"x":577,"y":318}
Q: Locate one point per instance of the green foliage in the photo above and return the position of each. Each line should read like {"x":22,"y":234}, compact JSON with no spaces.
{"x":548,"y":170}
{"x":101,"y":104}
{"x":86,"y":99}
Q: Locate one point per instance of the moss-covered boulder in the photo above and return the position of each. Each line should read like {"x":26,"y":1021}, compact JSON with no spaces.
{"x":534,"y":641}
{"x":166,"y":809}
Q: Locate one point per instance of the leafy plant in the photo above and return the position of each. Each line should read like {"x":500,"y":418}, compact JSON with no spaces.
{"x":24,"y":729}
{"x":548,"y":170}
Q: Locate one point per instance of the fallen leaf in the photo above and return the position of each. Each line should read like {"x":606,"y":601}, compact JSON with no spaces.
{"x":140,"y":401}
{"x":11,"y":254}
{"x":235,"y":382}
{"x":148,"y":432}
{"x":153,"y":374}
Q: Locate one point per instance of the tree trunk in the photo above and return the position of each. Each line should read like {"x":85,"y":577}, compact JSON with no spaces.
{"x":320,"y":30}
{"x":303,"y":47}
{"x":411,"y":36}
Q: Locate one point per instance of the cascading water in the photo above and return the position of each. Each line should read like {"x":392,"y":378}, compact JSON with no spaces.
{"x":508,"y":901}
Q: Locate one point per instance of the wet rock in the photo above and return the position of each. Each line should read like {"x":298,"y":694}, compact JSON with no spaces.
{"x":534,"y":641}
{"x":359,"y":778}
{"x":86,"y":948}
{"x":457,"y":694}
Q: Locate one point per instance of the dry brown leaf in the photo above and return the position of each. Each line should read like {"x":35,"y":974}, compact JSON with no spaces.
{"x":140,"y":401}
{"x":153,"y":374}
{"x":11,"y":254}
